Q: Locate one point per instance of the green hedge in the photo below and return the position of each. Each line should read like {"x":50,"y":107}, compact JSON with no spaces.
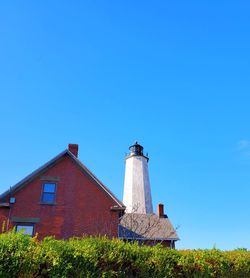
{"x":22,"y":256}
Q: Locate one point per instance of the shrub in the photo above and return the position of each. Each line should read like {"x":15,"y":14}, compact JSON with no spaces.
{"x":23,"y":256}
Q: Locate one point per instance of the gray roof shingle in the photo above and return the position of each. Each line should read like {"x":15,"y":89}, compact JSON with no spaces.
{"x":146,"y":227}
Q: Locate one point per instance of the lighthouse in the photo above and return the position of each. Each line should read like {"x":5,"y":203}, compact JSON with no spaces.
{"x":137,"y":193}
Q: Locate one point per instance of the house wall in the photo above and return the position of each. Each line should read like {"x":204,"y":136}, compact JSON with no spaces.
{"x":82,"y":207}
{"x":4,"y":213}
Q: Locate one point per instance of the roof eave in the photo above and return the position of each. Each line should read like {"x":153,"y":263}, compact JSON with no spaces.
{"x":31,"y":176}
{"x":121,"y":205}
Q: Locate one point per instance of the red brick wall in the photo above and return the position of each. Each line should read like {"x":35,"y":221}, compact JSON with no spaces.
{"x":4,"y":213}
{"x":82,"y":208}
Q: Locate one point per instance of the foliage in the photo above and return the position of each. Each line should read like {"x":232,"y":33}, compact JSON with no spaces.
{"x":23,"y":256}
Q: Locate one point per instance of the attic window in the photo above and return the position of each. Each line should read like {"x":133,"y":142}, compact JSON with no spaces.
{"x":49,"y":193}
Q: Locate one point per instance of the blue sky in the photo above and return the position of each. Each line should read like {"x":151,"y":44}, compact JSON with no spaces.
{"x":173,"y":75}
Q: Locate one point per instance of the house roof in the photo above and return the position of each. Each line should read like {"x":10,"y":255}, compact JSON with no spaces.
{"x":146,"y":227}
{"x":49,"y":164}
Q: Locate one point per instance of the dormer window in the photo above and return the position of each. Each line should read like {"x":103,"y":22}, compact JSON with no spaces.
{"x":49,"y":193}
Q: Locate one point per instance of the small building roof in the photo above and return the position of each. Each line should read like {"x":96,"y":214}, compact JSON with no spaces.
{"x":139,"y":226}
{"x":49,"y":164}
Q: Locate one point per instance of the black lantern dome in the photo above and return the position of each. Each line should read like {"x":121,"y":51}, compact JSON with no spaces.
{"x":136,"y":149}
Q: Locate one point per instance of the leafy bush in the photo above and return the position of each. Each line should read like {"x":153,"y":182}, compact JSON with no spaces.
{"x":23,"y":256}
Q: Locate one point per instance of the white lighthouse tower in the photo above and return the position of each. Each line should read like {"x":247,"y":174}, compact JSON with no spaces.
{"x":137,"y":193}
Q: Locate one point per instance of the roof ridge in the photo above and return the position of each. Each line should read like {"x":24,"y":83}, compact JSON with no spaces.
{"x":85,"y":168}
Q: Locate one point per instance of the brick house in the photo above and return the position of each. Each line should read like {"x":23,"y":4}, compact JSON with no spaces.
{"x":62,"y":198}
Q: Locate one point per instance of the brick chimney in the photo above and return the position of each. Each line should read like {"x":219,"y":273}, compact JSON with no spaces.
{"x":73,"y":148}
{"x":161,"y":211}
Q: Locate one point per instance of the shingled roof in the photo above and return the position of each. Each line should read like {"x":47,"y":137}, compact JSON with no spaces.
{"x":137,"y":226}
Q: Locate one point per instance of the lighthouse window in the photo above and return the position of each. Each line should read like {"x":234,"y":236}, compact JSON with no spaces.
{"x":49,"y":193}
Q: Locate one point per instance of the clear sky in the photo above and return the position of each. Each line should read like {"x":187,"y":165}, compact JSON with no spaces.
{"x":174,"y":75}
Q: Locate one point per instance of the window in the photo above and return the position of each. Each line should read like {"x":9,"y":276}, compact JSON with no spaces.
{"x":27,"y":229}
{"x":49,"y":193}
{"x":120,"y":213}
